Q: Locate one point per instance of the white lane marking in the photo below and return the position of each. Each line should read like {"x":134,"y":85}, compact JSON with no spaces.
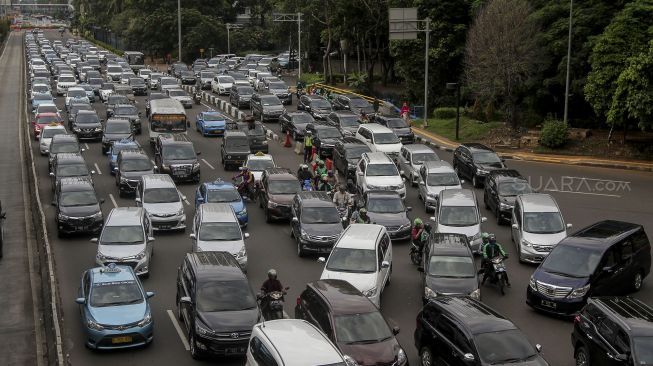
{"x":598,"y":179}
{"x":97,"y":169}
{"x":587,"y":193}
{"x":186,"y":202}
{"x":207,"y":163}
{"x":113,"y":200}
{"x":207,"y":106}
{"x":86,"y":146}
{"x":175,"y":323}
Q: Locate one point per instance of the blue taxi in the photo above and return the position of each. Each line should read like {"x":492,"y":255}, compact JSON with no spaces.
{"x":116,"y":147}
{"x":224,"y":192}
{"x":114,"y":308}
{"x":211,"y":123}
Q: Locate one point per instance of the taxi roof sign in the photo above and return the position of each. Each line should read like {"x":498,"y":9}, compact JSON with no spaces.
{"x":110,"y":268}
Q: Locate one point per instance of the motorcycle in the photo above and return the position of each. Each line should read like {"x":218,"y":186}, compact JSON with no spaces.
{"x":271,"y":304}
{"x":307,"y":185}
{"x":197,"y":97}
{"x":415,"y":254}
{"x":245,"y":190}
{"x":498,"y":272}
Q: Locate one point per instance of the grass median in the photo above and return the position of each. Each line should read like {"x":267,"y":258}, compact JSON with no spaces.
{"x":470,"y":129}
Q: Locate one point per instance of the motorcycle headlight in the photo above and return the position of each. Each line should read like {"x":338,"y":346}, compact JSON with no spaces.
{"x":265,"y":142}
{"x":196,"y":166}
{"x":504,"y":206}
{"x":401,"y":357}
{"x":579,"y":292}
{"x":429,"y":294}
{"x":481,"y":171}
{"x":526,"y":243}
{"x":476,"y":294}
{"x":93,"y":325}
{"x":202,"y":330}
{"x":532,"y":284}
{"x":371,"y":292}
{"x":146,"y":320}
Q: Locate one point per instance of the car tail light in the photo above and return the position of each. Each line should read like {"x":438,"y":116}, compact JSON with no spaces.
{"x":298,"y":300}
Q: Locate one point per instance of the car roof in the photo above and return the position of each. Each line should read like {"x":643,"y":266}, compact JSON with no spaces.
{"x":157,"y":181}
{"x":437,"y":166}
{"x":286,"y":334}
{"x":103,"y":274}
{"x":233,"y":133}
{"x":258,"y":156}
{"x":418,"y":148}
{"x":382,"y":194}
{"x":449,"y":243}
{"x":458,"y":197}
{"x":124,"y":216}
{"x":360,"y":236}
{"x":70,"y":158}
{"x":374,"y":127}
{"x":217,"y":212}
{"x":633,"y":313}
{"x":53,"y":127}
{"x":212,"y":112}
{"x":538,"y":202}
{"x":342,"y":297}
{"x":506,"y":174}
{"x":219,"y":184}
{"x":476,"y":316}
{"x":73,"y":184}
{"x":279,"y":173}
{"x":174,"y":138}
{"x":377,"y":157}
{"x":350,"y":140}
{"x":601,"y":235}
{"x":475,"y":146}
{"x":64,"y":138}
{"x":215,"y":265}
{"x":314,"y":199}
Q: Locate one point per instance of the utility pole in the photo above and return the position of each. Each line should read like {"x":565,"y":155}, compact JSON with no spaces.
{"x":179,"y":26}
{"x":293,"y":17}
{"x":426,"y":73}
{"x":571,"y":14}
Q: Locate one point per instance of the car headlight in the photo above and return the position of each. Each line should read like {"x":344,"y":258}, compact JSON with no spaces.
{"x":272,"y":204}
{"x":242,"y":213}
{"x":532,"y":284}
{"x":146,"y":320}
{"x":228,"y":156}
{"x":97,"y":215}
{"x":429,"y":294}
{"x":201,"y":330}
{"x":481,"y":171}
{"x":100,"y":257}
{"x":373,"y":187}
{"x":62,"y":217}
{"x":90,"y":323}
{"x":476,"y":236}
{"x":196,"y":166}
{"x":76,"y":129}
{"x":476,"y":294}
{"x":140,"y":255}
{"x":526,"y":243}
{"x":349,"y":361}
{"x":401,"y":357}
{"x":579,"y":292}
{"x":371,"y":292}
{"x":180,"y":212}
{"x":265,"y":142}
{"x":504,"y":206}
{"x":242,"y":253}
{"x":404,"y":226}
{"x":304,"y":234}
{"x":432,"y":195}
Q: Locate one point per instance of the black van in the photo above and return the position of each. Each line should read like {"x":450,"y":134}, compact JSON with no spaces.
{"x":175,"y":155}
{"x":607,"y":258}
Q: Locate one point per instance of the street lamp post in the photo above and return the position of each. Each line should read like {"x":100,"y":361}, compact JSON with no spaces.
{"x":571,"y":14}
{"x":179,"y":26}
{"x":229,"y":28}
{"x":456,"y":86}
{"x":293,"y":17}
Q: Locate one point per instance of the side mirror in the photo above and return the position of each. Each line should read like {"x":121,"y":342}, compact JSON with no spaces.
{"x":198,"y":153}
{"x":138,"y":200}
{"x":114,"y":169}
{"x":607,"y":269}
{"x":403,"y":179}
{"x":200,"y":199}
{"x":246,"y":235}
{"x":515,"y":226}
{"x":295,"y":220}
{"x":53,"y":203}
{"x":395,"y":330}
{"x":80,"y":300}
{"x":385,"y":264}
{"x":101,"y":200}
{"x":51,"y":174}
{"x":192,"y":236}
{"x":409,"y":208}
{"x":621,"y":357}
{"x":240,"y":168}
{"x":92,"y":172}
{"x":432,"y":218}
{"x":468,"y":357}
{"x":483,"y":219}
{"x":321,"y":260}
{"x":462,"y":181}
{"x":183,"y":197}
{"x":185,"y":300}
{"x":149,"y":294}
{"x":94,"y":240}
{"x":401,"y":172}
{"x":359,"y":173}
{"x":569,"y":226}
{"x":150,"y":238}
{"x":538,"y":347}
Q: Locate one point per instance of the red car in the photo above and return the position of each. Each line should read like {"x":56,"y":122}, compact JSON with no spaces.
{"x":43,"y":119}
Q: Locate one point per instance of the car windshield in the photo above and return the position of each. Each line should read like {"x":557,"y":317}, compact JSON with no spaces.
{"x":177,"y":93}
{"x":643,"y":350}
{"x":108,"y":86}
{"x":136,"y":165}
{"x":320,"y":215}
{"x":572,"y":261}
{"x":77,"y":198}
{"x":386,"y":138}
{"x":114,"y":69}
{"x":237,"y":143}
{"x":356,"y":151}
{"x":118,"y":99}
{"x":118,"y":127}
{"x":87,"y":118}
{"x":278,"y":85}
{"x":115,"y":293}
{"x":352,"y":260}
{"x":254,"y":130}
{"x":67,"y":79}
{"x":349,"y":121}
{"x":486,"y":158}
{"x":122,"y":235}
{"x":179,"y":152}
{"x":76,"y":93}
{"x":213,"y":296}
{"x":42,"y":97}
{"x":136,"y":81}
{"x":225,"y":80}
{"x":451,"y":266}
{"x":207,"y":74}
{"x":49,"y":132}
{"x":223,"y":195}
{"x":396,"y":123}
{"x":220,"y":231}
{"x":40,"y":89}
{"x":284,"y":187}
{"x":379,"y":170}
{"x":442,"y":179}
{"x":329,"y":133}
{"x":385,"y":205}
{"x":259,"y":164}
{"x":420,"y":158}
{"x":145,"y":72}
{"x":161,"y":195}
{"x":359,"y":102}
{"x":458,"y":216}
{"x":47,"y":119}
{"x":45,"y":108}
{"x":213,"y":117}
{"x":168,"y":81}
{"x":270,"y":100}
{"x":543,"y":222}
{"x":320,"y":104}
{"x":361,"y":328}
{"x":80,"y":107}
{"x":245,"y":91}
{"x":66,"y":147}
{"x":514,"y":188}
{"x":95,"y":81}
{"x":501,"y":347}
{"x":71,"y":170}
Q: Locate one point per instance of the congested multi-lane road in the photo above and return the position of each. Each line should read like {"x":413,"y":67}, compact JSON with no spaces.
{"x":580,"y":191}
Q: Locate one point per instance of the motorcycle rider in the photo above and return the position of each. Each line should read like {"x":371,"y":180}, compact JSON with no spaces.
{"x":491,"y":250}
{"x":341,"y":197}
{"x":248,"y":180}
{"x":303,"y":173}
{"x":272,"y":283}
{"x":360,"y":217}
{"x":325,"y":185}
{"x":419,"y":234}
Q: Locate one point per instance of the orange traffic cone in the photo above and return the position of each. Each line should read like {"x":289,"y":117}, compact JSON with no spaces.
{"x":287,"y":143}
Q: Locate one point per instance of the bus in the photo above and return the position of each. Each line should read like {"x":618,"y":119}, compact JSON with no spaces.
{"x":135,"y":59}
{"x":166,"y":116}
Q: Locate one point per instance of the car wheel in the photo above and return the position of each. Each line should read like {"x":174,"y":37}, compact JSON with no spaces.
{"x":637,"y":281}
{"x":268,"y":218}
{"x":194,"y":352}
{"x":294,"y":135}
{"x":457,"y":171}
{"x":582,"y":356}
{"x":426,"y":207}
{"x":181,"y":318}
{"x":487,"y":206}
{"x":300,"y":251}
{"x":426,"y":356}
{"x":475,"y":181}
{"x":498,"y":214}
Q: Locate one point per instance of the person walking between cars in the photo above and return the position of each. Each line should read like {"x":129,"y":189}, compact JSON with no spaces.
{"x":405,"y":112}
{"x":308,"y":146}
{"x":492,"y":250}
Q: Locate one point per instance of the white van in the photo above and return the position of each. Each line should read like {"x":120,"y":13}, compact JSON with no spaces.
{"x":379,"y":138}
{"x":458,"y":213}
{"x":376,"y":171}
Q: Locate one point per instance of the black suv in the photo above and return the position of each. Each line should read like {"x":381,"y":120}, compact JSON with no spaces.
{"x":387,"y":208}
{"x":346,"y":121}
{"x":462,"y":331}
{"x":175,"y":155}
{"x":138,"y":86}
{"x":346,"y":155}
{"x":216,"y":304}
{"x":240,"y":95}
{"x":295,"y":123}
{"x":234,"y":149}
{"x":352,"y":103}
{"x":398,"y":126}
{"x":324,"y":138}
{"x":87,"y":125}
{"x":69,"y":165}
{"x":115,"y":129}
{"x":502,"y":186}
{"x":131,"y":165}
{"x":77,"y":207}
{"x":256,"y":135}
{"x":475,"y":161}
{"x":613,"y":331}
{"x":448,"y":267}
{"x":74,"y":109}
{"x":318,"y":106}
{"x":606,"y":258}
{"x":266,"y":107}
{"x":113,"y":100}
{"x":129,"y":112}
{"x":315,"y":224}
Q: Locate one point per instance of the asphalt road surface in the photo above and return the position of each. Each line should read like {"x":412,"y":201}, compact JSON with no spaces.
{"x":581,"y":199}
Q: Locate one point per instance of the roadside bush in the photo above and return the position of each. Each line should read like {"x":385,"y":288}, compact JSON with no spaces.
{"x":309,"y":78}
{"x":444,"y":112}
{"x":4,"y":29}
{"x":554,"y":134}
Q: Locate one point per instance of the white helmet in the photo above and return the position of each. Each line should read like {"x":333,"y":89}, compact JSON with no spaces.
{"x":272,"y":273}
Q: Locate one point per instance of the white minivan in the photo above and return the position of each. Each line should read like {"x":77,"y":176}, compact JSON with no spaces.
{"x":362,"y":256}
{"x":537,"y":226}
{"x":377,"y":172}
{"x":458,"y":213}
{"x":379,"y":138}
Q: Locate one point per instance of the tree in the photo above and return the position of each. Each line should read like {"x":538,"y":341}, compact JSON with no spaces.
{"x":501,"y":53}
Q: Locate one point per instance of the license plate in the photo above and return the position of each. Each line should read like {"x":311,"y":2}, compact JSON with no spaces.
{"x":234,"y":350}
{"x":182,"y":175}
{"x":549,"y":304}
{"x":80,"y":228}
{"x":125,"y":339}
{"x":165,"y":226}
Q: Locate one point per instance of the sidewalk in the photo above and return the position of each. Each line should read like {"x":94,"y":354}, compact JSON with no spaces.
{"x":448,"y":145}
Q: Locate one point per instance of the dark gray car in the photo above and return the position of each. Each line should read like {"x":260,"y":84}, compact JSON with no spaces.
{"x":266,"y":107}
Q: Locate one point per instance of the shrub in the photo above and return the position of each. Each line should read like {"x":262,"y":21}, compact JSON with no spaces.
{"x":554,"y":134}
{"x":489,"y":111}
{"x":477,"y":110}
{"x":309,"y":78}
{"x":444,"y":112}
